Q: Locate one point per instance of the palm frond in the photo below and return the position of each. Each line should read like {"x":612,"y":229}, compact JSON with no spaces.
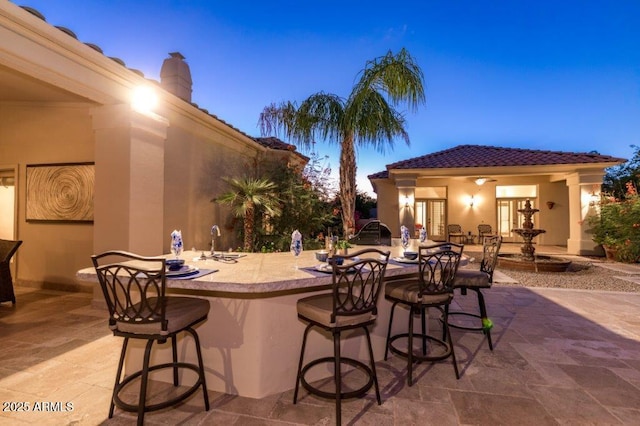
{"x":374,"y":122}
{"x":246,"y":194}
{"x":320,"y":116}
{"x":398,"y":76}
{"x":279,"y":119}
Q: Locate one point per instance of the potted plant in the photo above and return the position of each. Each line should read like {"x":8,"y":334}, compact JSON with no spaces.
{"x":342,"y":247}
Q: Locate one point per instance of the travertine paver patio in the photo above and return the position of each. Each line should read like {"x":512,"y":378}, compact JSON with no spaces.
{"x":561,"y":357}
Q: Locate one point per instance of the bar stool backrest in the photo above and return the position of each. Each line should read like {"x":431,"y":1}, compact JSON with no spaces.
{"x":438,"y":264}
{"x":134,"y":289}
{"x":357,"y":283}
{"x":490,"y":250}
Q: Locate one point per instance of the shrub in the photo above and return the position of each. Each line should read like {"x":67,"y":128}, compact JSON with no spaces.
{"x":616,"y":225}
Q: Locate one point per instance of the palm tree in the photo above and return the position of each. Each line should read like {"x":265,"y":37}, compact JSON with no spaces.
{"x":246,"y":196}
{"x":366,"y":118}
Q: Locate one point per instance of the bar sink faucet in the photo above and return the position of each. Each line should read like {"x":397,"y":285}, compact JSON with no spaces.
{"x":215,"y":232}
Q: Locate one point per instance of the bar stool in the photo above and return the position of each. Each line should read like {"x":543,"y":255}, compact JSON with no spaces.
{"x":351,"y":304}
{"x":432,"y":287}
{"x":134,"y":289}
{"x":477,"y":280}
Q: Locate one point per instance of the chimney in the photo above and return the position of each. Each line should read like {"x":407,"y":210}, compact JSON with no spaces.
{"x":175,"y":76}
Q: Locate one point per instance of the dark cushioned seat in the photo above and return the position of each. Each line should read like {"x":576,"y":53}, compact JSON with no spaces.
{"x":471,"y":278}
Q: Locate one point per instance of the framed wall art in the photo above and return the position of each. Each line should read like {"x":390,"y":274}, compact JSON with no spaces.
{"x":60,"y":192}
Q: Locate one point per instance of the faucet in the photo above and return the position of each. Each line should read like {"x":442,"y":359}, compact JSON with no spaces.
{"x":215,"y":231}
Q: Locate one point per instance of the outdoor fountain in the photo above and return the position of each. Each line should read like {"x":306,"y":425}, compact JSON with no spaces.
{"x":528,"y":261}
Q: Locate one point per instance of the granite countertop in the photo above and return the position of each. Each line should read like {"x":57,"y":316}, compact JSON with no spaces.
{"x":260,"y":272}
{"x":264,"y":272}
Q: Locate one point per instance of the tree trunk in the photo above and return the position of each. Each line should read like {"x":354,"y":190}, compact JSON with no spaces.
{"x":348,"y":184}
{"x":248,"y":230}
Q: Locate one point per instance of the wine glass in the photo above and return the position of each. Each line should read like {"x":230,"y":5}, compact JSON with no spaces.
{"x":176,"y":250}
{"x":176,"y":243}
{"x":296,"y":249}
{"x":404,"y":238}
{"x":423,"y":235}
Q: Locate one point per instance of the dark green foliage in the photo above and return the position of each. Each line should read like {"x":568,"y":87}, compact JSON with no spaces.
{"x":303,"y":208}
{"x":616,"y":179}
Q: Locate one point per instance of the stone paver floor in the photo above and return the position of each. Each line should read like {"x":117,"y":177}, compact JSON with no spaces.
{"x":560,"y":357}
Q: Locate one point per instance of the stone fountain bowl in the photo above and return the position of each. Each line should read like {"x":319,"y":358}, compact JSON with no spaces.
{"x":540,"y":264}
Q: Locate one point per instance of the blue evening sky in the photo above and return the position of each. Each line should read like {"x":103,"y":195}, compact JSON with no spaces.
{"x":557,"y":75}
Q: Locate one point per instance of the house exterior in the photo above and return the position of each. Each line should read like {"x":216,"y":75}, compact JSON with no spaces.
{"x":471,"y":185}
{"x":64,"y":103}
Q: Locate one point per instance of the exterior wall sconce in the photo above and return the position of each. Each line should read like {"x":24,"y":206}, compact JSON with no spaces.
{"x":405,"y":201}
{"x":550,"y":204}
{"x":144,"y":99}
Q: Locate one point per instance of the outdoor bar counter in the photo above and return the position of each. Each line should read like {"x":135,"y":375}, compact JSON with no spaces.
{"x":251,"y":339}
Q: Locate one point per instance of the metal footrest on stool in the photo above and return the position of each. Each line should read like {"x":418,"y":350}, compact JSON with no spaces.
{"x":164,"y":404}
{"x":485,"y":328}
{"x":343,"y":395}
{"x":465,"y":327}
{"x":446,"y":353}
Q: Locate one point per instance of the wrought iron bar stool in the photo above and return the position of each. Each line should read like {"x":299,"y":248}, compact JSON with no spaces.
{"x":477,"y":280}
{"x":134,"y":289}
{"x":351,"y":304}
{"x":432,"y":287}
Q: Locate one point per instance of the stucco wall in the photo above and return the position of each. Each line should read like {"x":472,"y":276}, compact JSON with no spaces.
{"x":459,"y":191}
{"x":197,"y":156}
{"x":39,"y":134}
{"x":195,"y":165}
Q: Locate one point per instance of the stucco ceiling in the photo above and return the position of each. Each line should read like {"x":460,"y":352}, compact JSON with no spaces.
{"x":16,"y":87}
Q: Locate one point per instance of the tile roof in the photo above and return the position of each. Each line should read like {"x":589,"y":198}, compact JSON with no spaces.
{"x":468,"y":156}
{"x":98,"y":49}
{"x":277,"y":144}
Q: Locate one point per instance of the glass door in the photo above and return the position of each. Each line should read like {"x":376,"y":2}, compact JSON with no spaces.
{"x":432,"y":214}
{"x":510,"y":218}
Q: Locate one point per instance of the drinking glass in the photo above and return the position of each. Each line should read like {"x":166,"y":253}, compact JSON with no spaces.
{"x":296,"y":249}
{"x":176,"y":250}
{"x":176,"y":243}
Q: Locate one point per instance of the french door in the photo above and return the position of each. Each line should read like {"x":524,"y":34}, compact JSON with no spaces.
{"x":510,"y":218}
{"x":432,"y":213}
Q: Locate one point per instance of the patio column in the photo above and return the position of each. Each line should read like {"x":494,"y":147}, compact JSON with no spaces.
{"x":129,"y":191}
{"x":584,"y":189}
